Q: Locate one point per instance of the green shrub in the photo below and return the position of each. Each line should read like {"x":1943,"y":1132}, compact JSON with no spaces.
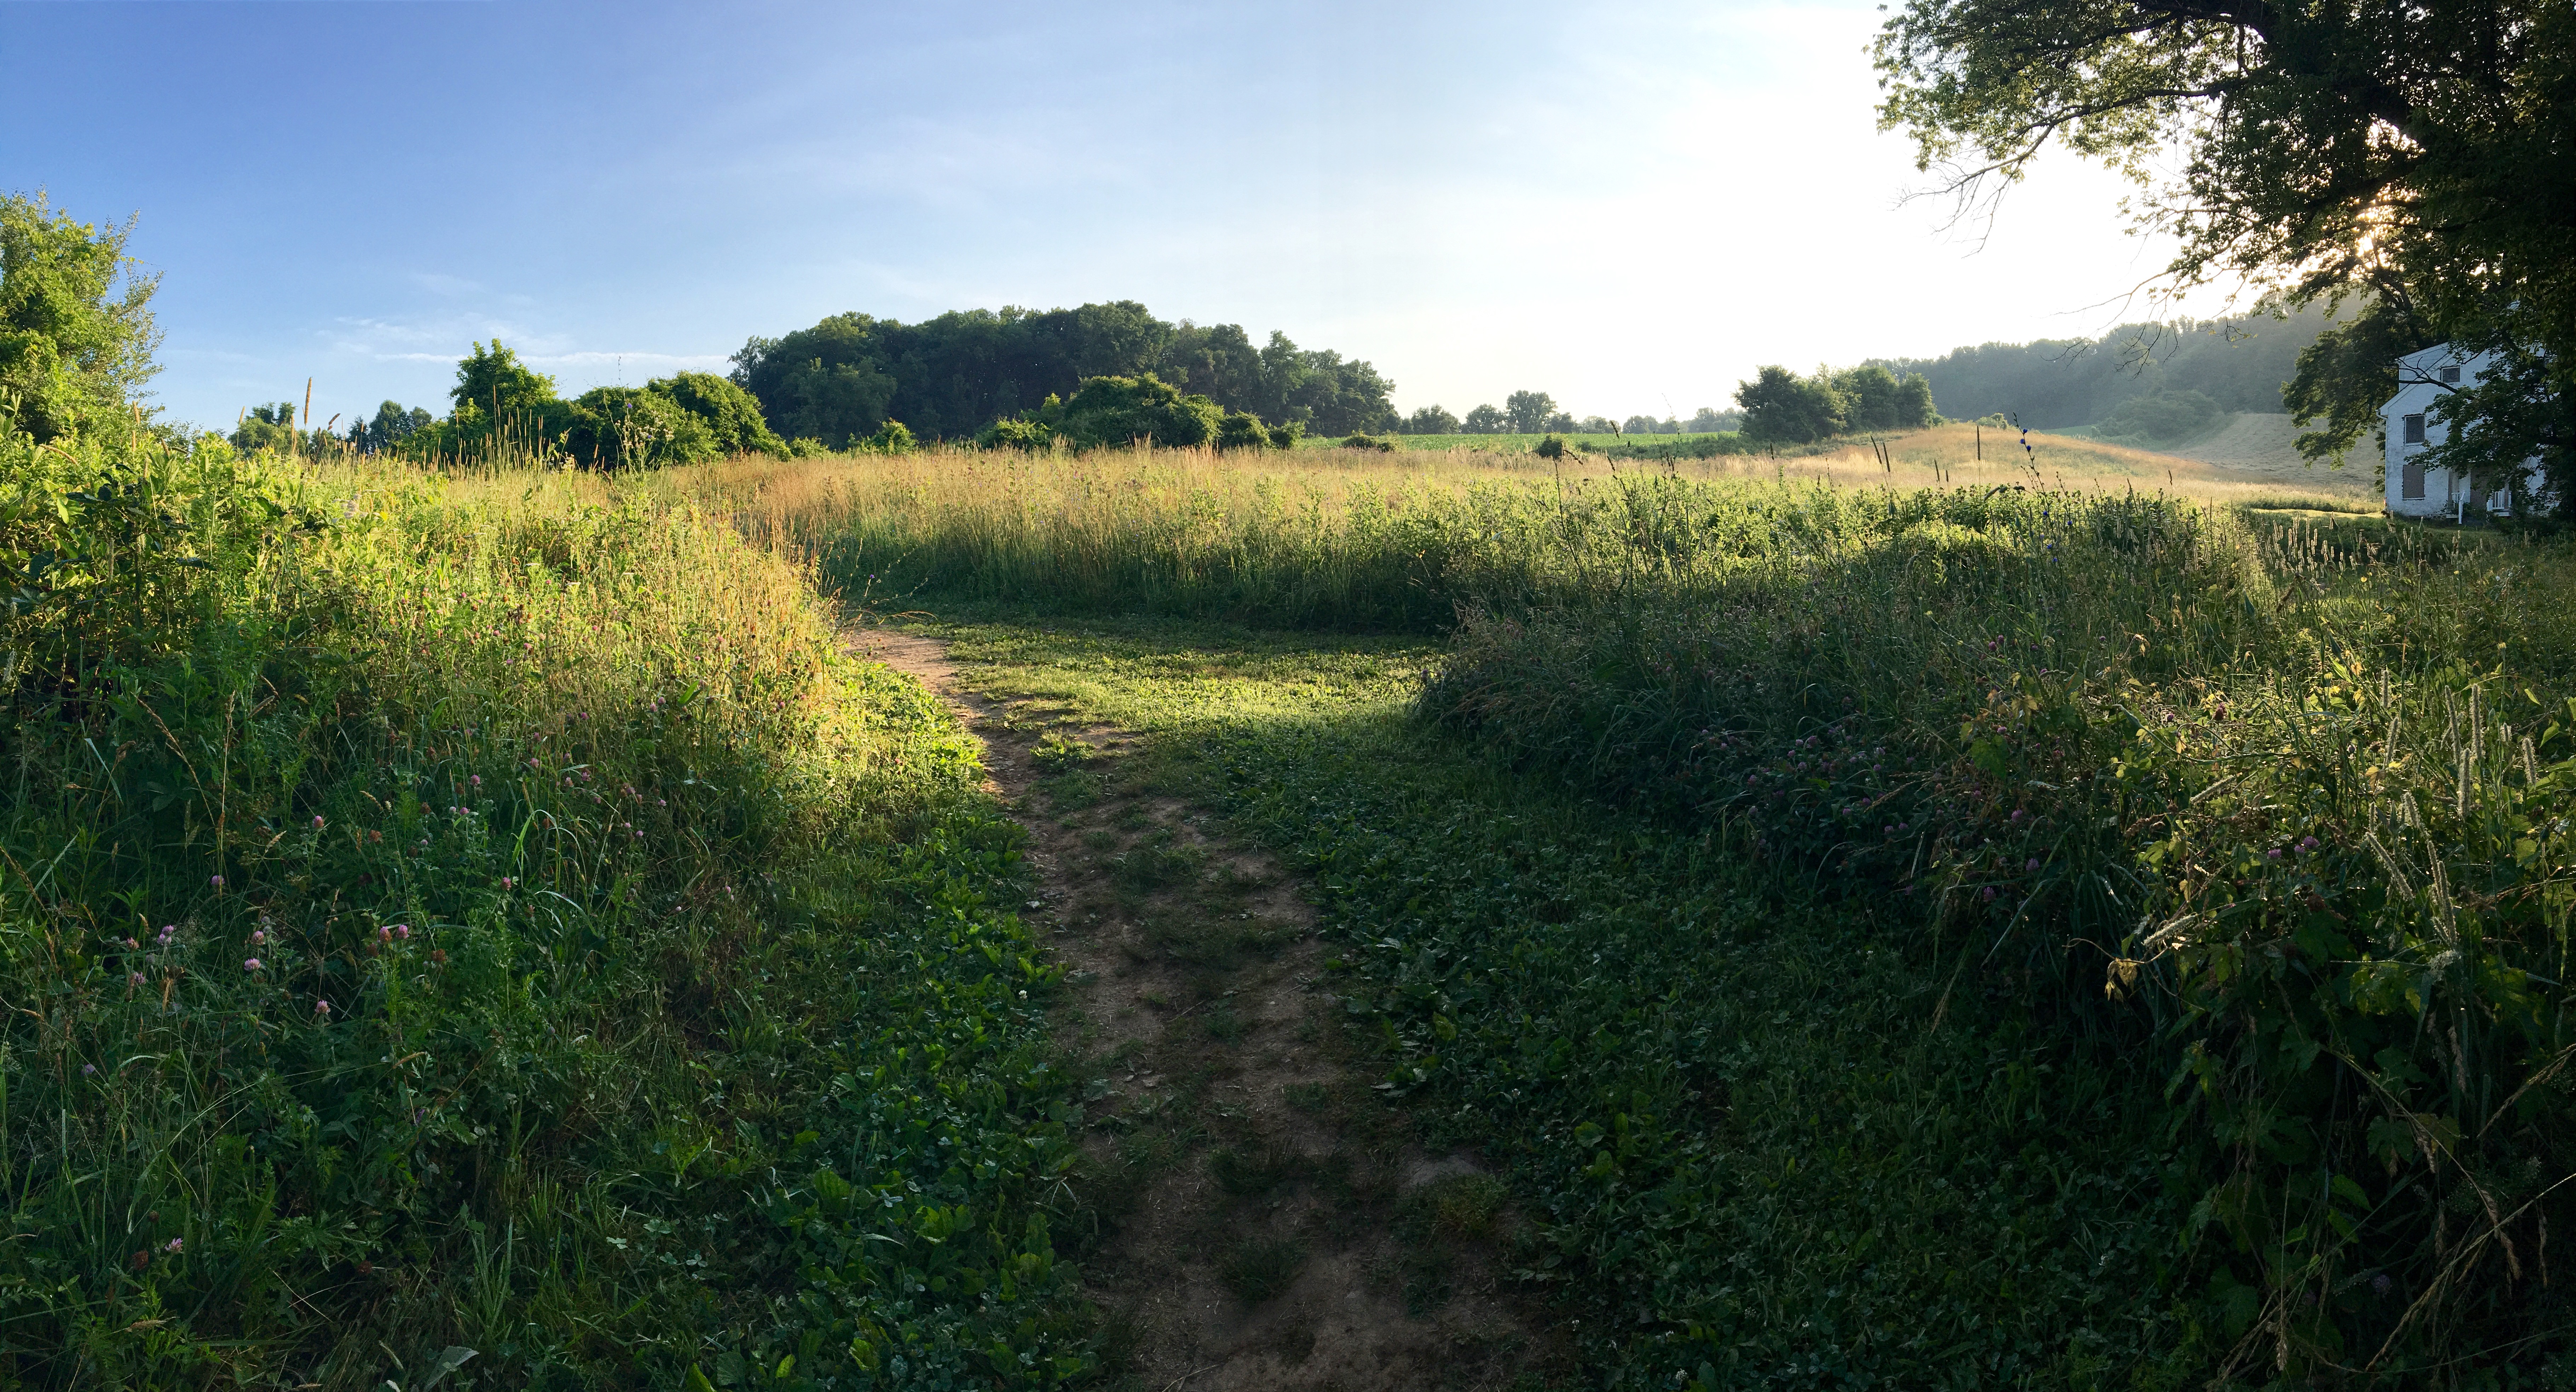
{"x":1366,"y":441}
{"x":1242,"y":430}
{"x":503,"y":921}
{"x":893,"y":437}
{"x":635,"y":427}
{"x":1011,"y":432}
{"x":731,"y":415}
{"x":1123,"y":410}
{"x":1553,"y":447}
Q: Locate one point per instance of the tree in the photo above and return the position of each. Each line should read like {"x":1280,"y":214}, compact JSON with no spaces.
{"x":953,"y":374}
{"x":76,"y":331}
{"x":1484,"y":420}
{"x":635,"y":427}
{"x":1710,"y":420}
{"x":1430,"y":420}
{"x":1528,"y":411}
{"x":494,"y":381}
{"x":2412,"y":163}
{"x":1598,"y":425}
{"x":1781,"y":407}
{"x":391,"y":426}
{"x":1875,"y":399}
{"x":266,"y":427}
{"x":732,"y":415}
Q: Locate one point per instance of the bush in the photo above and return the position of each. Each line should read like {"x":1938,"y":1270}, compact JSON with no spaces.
{"x":893,"y":437}
{"x":1242,"y":430}
{"x":1123,"y":410}
{"x":1553,"y":447}
{"x":1011,"y":432}
{"x":635,"y":427}
{"x":731,"y":415}
{"x":1365,"y":441}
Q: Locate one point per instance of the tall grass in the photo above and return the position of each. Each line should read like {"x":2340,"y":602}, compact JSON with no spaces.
{"x":483,"y":929}
{"x":1368,"y":541}
{"x":2280,"y":811}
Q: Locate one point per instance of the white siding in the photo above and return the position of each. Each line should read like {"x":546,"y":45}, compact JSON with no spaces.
{"x":2419,"y":492}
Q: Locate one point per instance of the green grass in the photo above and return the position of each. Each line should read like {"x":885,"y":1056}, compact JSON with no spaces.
{"x":1722,"y":1105}
{"x":489,"y":917}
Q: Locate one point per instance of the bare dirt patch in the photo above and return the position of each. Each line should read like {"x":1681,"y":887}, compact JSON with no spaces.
{"x":1252,"y":1215}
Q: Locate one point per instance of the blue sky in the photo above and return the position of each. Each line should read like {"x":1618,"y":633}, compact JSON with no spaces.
{"x":1627,"y":205}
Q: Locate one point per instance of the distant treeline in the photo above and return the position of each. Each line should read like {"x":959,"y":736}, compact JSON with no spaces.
{"x":953,"y":375}
{"x":2239,"y":364}
{"x":1535,"y":412}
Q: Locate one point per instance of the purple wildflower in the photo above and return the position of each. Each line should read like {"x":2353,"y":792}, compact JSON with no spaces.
{"x":251,"y":965}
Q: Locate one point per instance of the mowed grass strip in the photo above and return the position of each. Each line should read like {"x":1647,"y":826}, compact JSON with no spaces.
{"x":1742,"y":1139}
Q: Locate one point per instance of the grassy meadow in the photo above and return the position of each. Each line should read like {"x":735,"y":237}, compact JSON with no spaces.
{"x":2164,"y":886}
{"x":1888,"y":919}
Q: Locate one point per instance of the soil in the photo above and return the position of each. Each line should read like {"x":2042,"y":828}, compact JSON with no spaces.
{"x":1251,"y":1214}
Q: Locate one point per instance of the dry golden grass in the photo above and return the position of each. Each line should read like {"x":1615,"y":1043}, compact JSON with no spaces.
{"x":1946,"y":456}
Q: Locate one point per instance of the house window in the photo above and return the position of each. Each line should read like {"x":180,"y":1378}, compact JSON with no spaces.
{"x":2410,"y":480}
{"x":2415,"y":428}
{"x":2447,"y":376}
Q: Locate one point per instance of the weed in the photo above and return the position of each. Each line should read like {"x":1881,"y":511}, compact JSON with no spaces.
{"x":1055,"y":754}
{"x":1257,"y":1268}
{"x":1465,"y":1206}
{"x":1250,"y":1176}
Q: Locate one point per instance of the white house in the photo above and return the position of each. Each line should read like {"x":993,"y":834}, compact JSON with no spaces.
{"x":2407,"y":421}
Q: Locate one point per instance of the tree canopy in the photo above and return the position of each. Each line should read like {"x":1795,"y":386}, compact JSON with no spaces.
{"x":2414,"y":164}
{"x":2048,"y":384}
{"x":76,"y":331}
{"x":956,"y":373}
{"x":1781,"y":407}
{"x":1529,"y":411}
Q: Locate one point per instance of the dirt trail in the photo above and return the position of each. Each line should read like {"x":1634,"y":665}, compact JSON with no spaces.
{"x":1255,"y":1217}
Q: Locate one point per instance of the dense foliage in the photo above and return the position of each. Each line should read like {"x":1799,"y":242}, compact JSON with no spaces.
{"x":1135,"y":410}
{"x":953,"y":375}
{"x":2413,"y":162}
{"x":502,"y":407}
{"x":490,"y":921}
{"x":76,"y":334}
{"x":2239,"y":364}
{"x":1781,"y":407}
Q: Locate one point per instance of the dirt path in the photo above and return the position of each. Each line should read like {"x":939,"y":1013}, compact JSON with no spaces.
{"x":1255,"y":1217}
